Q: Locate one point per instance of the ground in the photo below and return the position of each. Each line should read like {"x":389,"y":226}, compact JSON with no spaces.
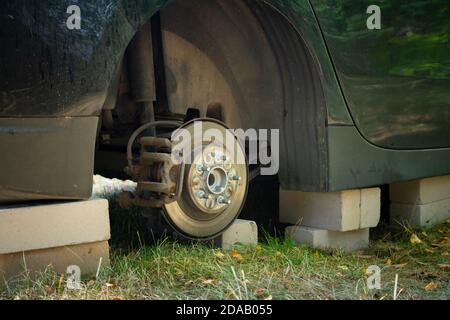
{"x":275,"y":269}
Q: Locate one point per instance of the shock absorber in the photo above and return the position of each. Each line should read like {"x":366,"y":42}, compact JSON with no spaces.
{"x":142,"y":75}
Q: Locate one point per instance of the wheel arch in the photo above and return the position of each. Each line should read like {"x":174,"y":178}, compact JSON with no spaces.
{"x":308,"y":91}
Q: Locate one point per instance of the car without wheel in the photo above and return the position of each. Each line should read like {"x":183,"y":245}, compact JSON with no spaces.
{"x":355,"y":106}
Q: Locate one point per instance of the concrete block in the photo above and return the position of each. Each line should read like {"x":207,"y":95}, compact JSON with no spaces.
{"x":241,"y":231}
{"x":370,"y":208}
{"x":421,"y":191}
{"x":420,"y":215}
{"x":338,"y":211}
{"x":49,"y":226}
{"x":86,"y":256}
{"x":326,"y":239}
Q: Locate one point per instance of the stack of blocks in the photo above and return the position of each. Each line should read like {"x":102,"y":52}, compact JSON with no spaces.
{"x":420,"y":203}
{"x":339,"y":220}
{"x":32,"y":238}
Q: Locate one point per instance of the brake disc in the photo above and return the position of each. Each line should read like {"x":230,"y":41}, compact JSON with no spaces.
{"x":215,"y":181}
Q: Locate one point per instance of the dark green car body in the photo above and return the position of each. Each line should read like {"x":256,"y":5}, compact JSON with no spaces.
{"x":396,"y":80}
{"x":386,"y":92}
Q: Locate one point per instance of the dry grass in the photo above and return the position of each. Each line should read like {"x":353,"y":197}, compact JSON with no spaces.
{"x":276,"y":269}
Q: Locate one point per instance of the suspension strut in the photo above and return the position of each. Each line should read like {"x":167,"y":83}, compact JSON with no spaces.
{"x":159,"y":179}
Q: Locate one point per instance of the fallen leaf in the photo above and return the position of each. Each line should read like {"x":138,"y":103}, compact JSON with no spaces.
{"x":61,"y":281}
{"x":278,"y":254}
{"x":236,"y":255}
{"x":445,"y":254}
{"x":269,"y":298}
{"x":444,"y":266}
{"x":260,"y":292}
{"x":219,"y":255}
{"x":388,"y":262}
{"x":179,"y":273}
{"x":208,"y":281}
{"x":188,"y":283}
{"x":49,"y":290}
{"x":258,"y":248}
{"x":427,"y":275}
{"x":110,"y":285}
{"x":415,"y":239}
{"x":431,"y":286}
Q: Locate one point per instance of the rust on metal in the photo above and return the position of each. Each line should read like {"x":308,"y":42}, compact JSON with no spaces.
{"x":159,"y":179}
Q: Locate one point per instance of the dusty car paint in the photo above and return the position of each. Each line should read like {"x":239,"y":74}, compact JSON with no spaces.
{"x":49,"y":71}
{"x":396,"y":80}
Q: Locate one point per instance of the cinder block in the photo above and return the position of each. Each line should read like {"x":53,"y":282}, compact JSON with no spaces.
{"x":370,"y":208}
{"x":420,"y":215}
{"x":326,"y":239}
{"x":49,"y":226}
{"x":421,"y":191}
{"x":241,"y":231}
{"x":86,"y":256}
{"x":338,"y":211}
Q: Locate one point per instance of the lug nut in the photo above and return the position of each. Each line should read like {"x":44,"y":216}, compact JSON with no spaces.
{"x":203,"y":168}
{"x":223,"y":200}
{"x":235,"y":178}
{"x":202,"y":195}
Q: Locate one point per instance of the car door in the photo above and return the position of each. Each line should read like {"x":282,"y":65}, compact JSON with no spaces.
{"x":395,"y":78}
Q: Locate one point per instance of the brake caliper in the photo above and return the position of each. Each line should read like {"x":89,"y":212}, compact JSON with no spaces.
{"x":159,"y":179}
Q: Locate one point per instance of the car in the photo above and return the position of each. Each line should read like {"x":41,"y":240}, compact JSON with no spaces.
{"x":104,"y":85}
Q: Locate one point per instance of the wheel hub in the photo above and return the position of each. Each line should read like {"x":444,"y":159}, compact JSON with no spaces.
{"x":212,"y":182}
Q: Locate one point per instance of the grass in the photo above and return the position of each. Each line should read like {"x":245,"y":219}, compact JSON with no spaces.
{"x":275,"y":269}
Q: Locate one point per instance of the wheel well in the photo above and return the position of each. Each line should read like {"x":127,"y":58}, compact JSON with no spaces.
{"x":245,"y":58}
